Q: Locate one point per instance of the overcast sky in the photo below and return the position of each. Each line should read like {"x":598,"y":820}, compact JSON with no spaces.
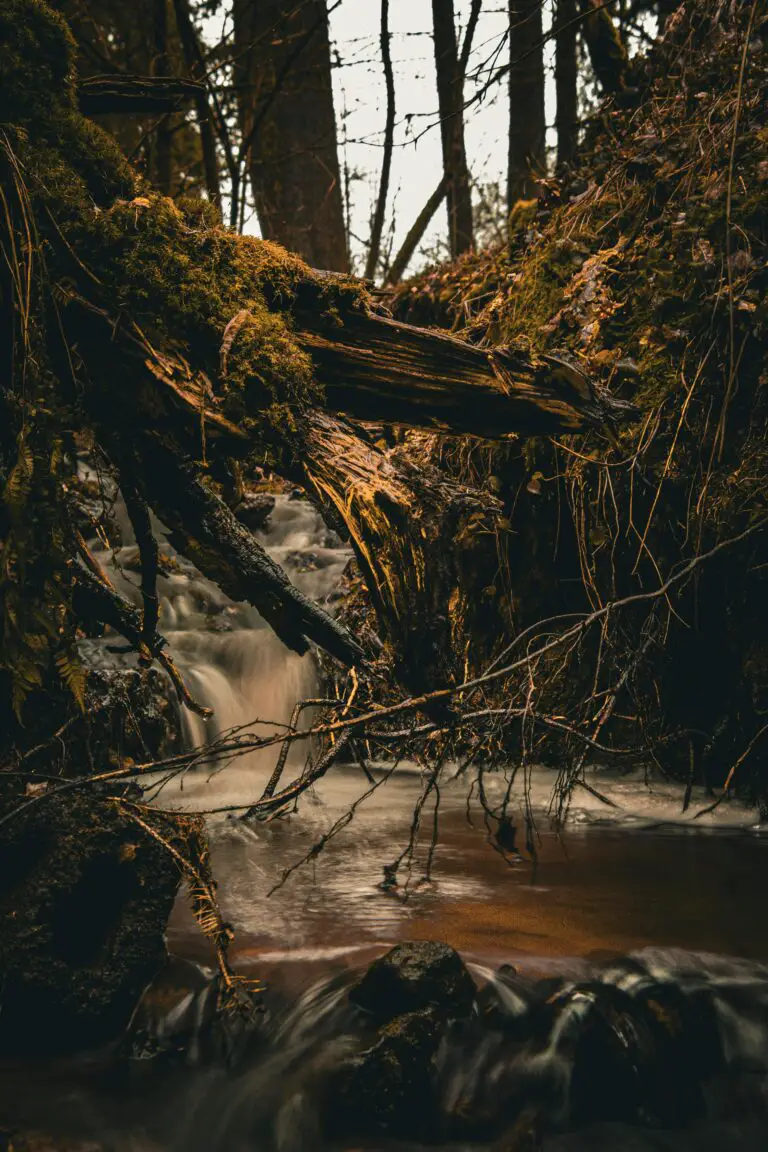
{"x":360,"y":101}
{"x":361,"y":105}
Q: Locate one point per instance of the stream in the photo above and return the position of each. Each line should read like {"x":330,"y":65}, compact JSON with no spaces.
{"x":629,"y":897}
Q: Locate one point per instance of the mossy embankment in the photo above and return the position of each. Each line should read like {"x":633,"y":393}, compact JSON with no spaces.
{"x":649,"y":266}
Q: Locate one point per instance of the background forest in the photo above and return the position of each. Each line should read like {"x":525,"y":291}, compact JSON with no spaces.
{"x":480,"y":287}
{"x":353,"y":110}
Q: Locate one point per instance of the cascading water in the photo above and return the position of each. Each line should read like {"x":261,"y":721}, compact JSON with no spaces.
{"x":230,"y":660}
{"x":566,"y":1026}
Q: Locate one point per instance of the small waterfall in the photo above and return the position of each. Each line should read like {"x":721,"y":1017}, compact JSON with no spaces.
{"x":230,"y":660}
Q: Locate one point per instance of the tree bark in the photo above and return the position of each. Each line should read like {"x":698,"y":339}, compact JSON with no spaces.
{"x":193,"y":60}
{"x":450,"y":94}
{"x":410,"y":527}
{"x":133,"y":95}
{"x":285,"y":97}
{"x":377,"y":227}
{"x":607,"y":53}
{"x":204,"y":530}
{"x":527,"y":127}
{"x":377,"y":369}
{"x":566,"y":78}
{"x":163,"y":166}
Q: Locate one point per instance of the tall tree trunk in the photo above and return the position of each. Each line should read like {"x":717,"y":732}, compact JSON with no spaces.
{"x":190,"y":47}
{"x":283,"y":79}
{"x":607,"y":53}
{"x":450,"y":93}
{"x":566,"y":76}
{"x":162,"y":174}
{"x":374,"y":251}
{"x":527,"y":126}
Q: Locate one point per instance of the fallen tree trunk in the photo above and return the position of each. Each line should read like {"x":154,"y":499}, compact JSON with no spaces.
{"x":135,"y":95}
{"x":378,"y":369}
{"x":204,"y":530}
{"x":424,"y":542}
{"x":181,"y":345}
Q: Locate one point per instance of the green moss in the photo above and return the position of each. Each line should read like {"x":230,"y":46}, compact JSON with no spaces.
{"x":172,"y":269}
{"x":633,"y":276}
{"x":36,"y":64}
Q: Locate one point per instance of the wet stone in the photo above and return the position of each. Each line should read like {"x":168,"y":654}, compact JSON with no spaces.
{"x":254,"y":511}
{"x":389,"y":1087}
{"x":413,"y":976}
{"x":639,"y":1058}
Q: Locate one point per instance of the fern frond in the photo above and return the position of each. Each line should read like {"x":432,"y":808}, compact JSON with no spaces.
{"x":26,"y":676}
{"x":73,"y":674}
{"x":19,"y":485}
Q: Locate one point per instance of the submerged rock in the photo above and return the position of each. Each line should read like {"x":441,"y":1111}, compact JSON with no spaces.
{"x":410,"y":995}
{"x":255,"y":510}
{"x":640,"y":1058}
{"x":413,"y":976}
{"x":389,"y":1086}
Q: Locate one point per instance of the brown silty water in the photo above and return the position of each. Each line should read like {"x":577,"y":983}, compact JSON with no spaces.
{"x":683,"y":896}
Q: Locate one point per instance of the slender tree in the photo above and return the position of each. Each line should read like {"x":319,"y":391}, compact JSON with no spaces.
{"x":163,"y":158}
{"x":450,"y":93}
{"x":527,"y":126}
{"x":415,"y":234}
{"x":377,"y":228}
{"x":195,"y":65}
{"x":424,"y":218}
{"x":566,"y":77}
{"x":607,"y":52}
{"x":288,"y":125}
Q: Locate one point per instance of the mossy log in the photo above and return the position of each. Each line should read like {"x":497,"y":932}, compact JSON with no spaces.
{"x":134,"y":95}
{"x":378,"y":369}
{"x":182,"y":345}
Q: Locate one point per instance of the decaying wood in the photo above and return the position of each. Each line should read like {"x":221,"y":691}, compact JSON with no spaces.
{"x":182,"y":346}
{"x":177,"y":399}
{"x":374,"y":368}
{"x":135,"y":95}
{"x":377,"y":369}
{"x":421,"y":538}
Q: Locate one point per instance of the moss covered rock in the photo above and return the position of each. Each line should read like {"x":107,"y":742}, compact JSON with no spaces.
{"x":85,"y":894}
{"x":388,"y":1087}
{"x":416,"y":976}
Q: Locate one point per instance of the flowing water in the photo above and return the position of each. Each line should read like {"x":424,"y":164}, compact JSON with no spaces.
{"x":629,"y":898}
